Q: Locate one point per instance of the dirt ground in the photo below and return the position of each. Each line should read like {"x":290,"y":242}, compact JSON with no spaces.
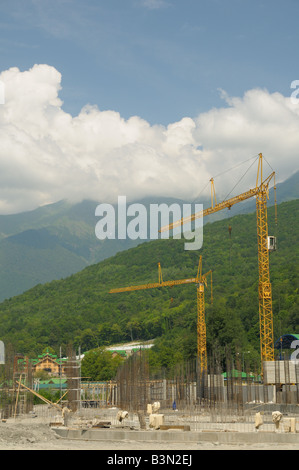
{"x":18,"y":434}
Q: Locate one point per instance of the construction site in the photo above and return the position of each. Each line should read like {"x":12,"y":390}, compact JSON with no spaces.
{"x":209,"y":402}
{"x":183,"y":408}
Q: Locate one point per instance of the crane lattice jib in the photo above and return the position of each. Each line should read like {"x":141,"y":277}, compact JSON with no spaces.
{"x":153,"y":285}
{"x":218,"y":207}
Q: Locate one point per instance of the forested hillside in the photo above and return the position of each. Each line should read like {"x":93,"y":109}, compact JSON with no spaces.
{"x":79,"y":309}
{"x":57,"y":240}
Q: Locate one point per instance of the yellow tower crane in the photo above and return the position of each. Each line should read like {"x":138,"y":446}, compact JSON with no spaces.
{"x":201,"y":281}
{"x":265,"y":244}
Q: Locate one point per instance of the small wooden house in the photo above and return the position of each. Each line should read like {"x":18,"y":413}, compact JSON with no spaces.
{"x":49,"y":363}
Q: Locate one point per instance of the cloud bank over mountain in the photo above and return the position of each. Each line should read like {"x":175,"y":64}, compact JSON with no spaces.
{"x":47,"y":155}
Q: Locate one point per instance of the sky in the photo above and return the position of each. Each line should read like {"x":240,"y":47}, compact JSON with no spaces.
{"x":102,"y":98}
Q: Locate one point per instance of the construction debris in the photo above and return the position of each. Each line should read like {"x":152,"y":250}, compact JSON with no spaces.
{"x":121,"y":415}
{"x":209,"y":403}
{"x":276,"y":418}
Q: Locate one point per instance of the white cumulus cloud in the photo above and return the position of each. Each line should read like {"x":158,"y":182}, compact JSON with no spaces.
{"x":47,"y":155}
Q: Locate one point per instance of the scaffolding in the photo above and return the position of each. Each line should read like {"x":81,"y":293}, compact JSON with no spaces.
{"x":231,"y":384}
{"x":73,"y":374}
{"x":16,"y":372}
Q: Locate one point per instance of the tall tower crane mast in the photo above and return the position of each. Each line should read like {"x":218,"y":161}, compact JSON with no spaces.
{"x":261,"y":193}
{"x":201,"y":281}
{"x":201,"y":316}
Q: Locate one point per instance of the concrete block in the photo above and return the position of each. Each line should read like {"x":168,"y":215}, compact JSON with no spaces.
{"x":279,"y":372}
{"x":156,"y":420}
{"x":258,"y":420}
{"x":289,"y":424}
{"x":178,"y":427}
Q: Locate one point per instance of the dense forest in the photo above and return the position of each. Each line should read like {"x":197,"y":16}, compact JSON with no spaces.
{"x":80,"y":310}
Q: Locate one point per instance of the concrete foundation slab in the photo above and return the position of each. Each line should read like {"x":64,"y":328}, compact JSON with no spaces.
{"x":178,"y":436}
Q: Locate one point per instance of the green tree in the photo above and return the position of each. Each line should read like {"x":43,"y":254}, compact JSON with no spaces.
{"x":98,"y":364}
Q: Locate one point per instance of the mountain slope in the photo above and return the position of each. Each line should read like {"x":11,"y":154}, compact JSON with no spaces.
{"x":57,"y":240}
{"x":80,"y":308}
{"x":49,"y":243}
